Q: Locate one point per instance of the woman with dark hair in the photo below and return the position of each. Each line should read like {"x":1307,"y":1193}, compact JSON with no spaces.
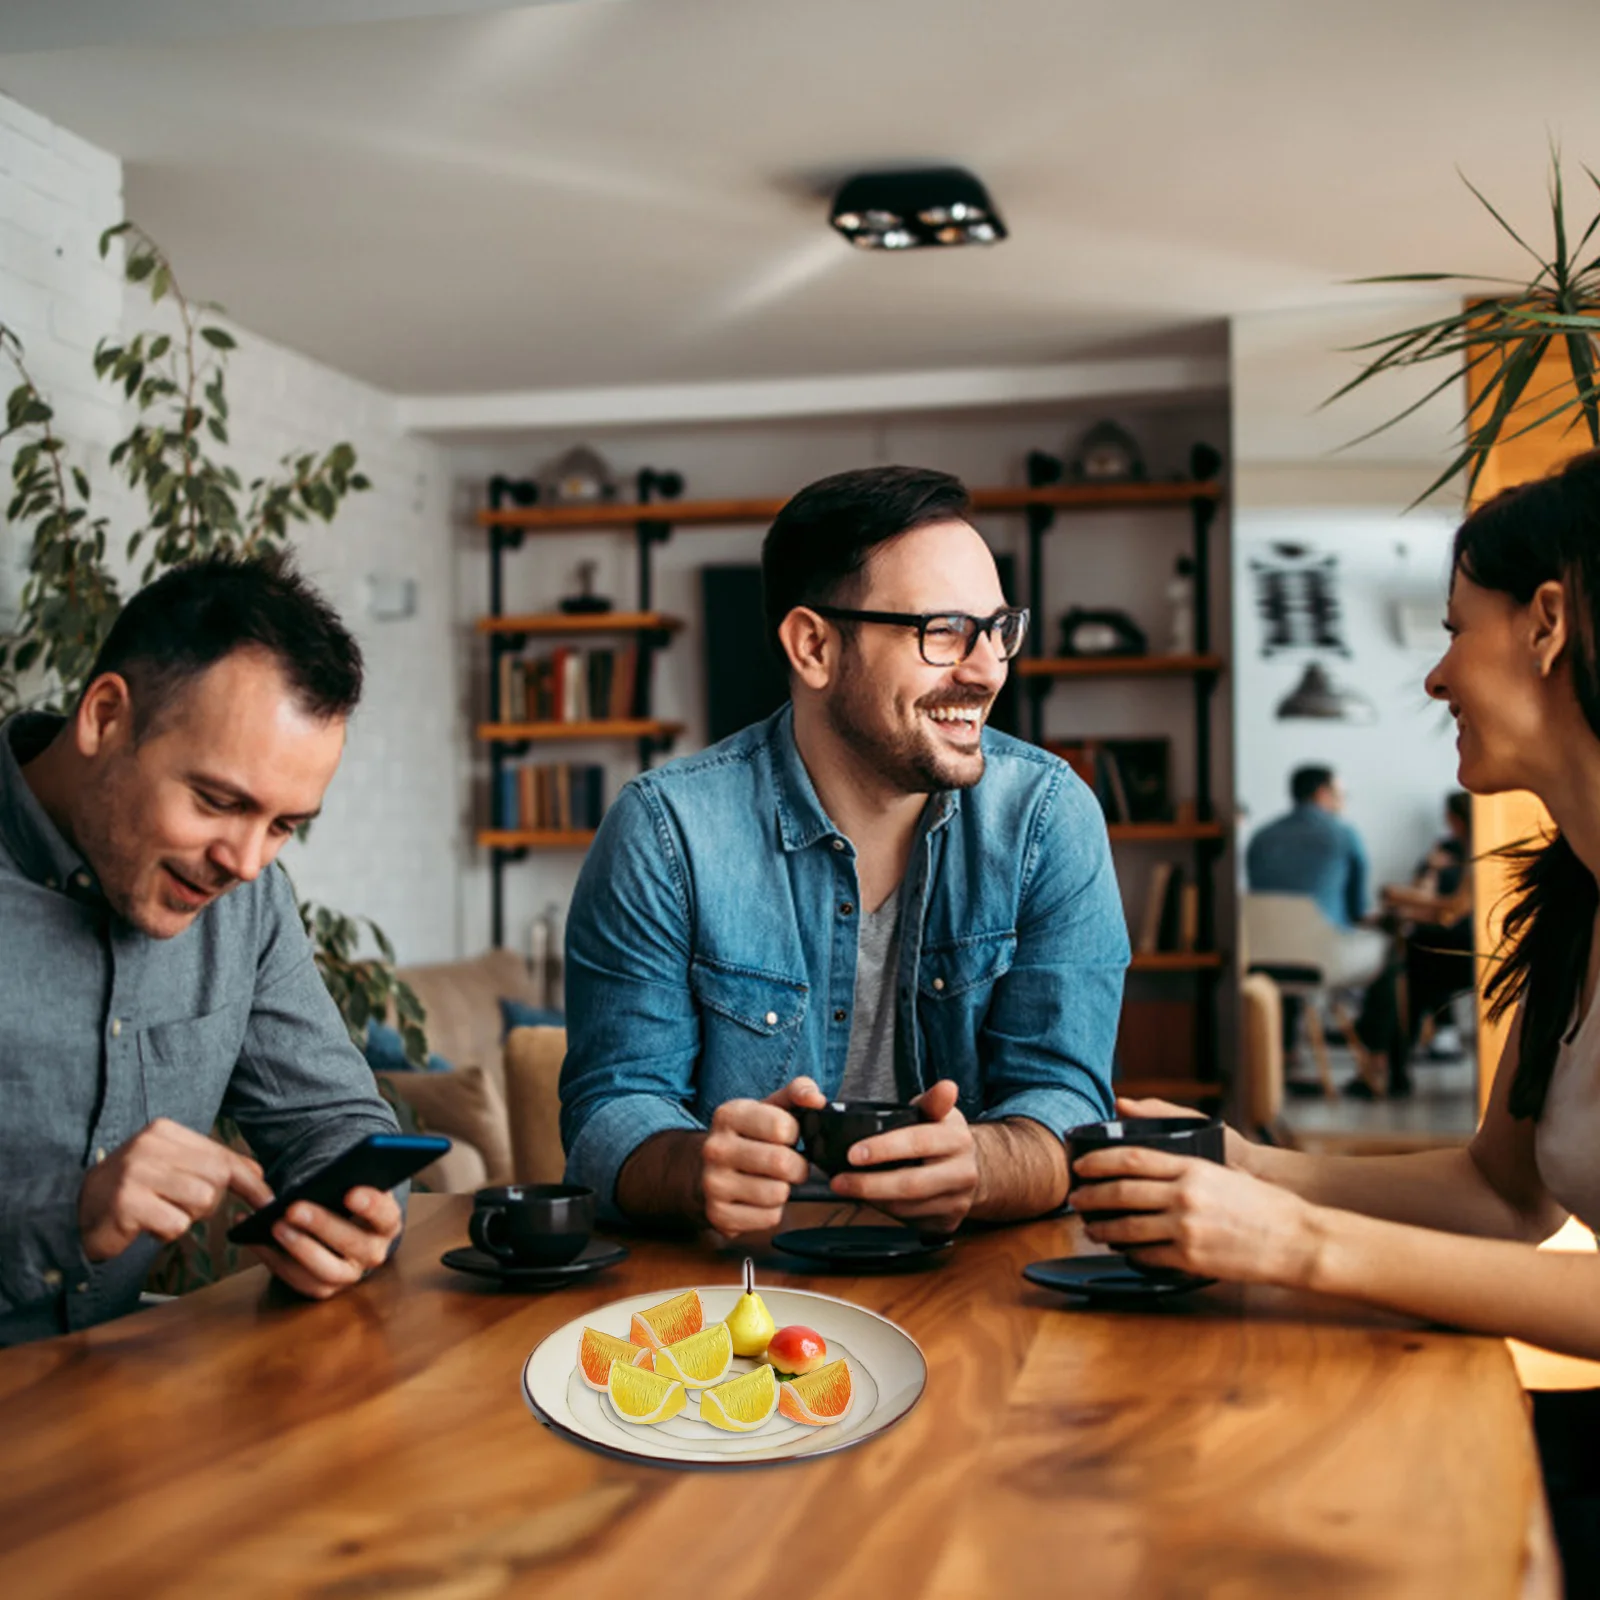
{"x":1449,"y":1235}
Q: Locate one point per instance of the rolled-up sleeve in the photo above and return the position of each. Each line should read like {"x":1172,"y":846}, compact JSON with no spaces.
{"x":633,"y":1034}
{"x":1049,"y":1039}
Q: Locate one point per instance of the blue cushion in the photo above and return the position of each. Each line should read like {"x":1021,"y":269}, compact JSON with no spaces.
{"x":519,"y":1014}
{"x":386,"y":1051}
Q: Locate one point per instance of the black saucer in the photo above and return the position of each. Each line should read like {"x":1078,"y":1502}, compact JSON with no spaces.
{"x":1108,"y":1279}
{"x":860,"y":1248}
{"x":597,"y":1255}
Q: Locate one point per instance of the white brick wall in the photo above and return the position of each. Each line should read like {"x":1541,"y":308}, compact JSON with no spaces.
{"x":388,"y":841}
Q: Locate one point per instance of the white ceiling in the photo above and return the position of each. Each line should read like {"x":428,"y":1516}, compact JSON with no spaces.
{"x":619,"y":192}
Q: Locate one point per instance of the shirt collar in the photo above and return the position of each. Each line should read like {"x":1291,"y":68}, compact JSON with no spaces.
{"x":33,"y":840}
{"x":801,"y":819}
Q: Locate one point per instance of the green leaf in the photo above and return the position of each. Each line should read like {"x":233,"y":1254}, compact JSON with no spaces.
{"x":139,"y":268}
{"x":111,"y":233}
{"x":219,"y":337}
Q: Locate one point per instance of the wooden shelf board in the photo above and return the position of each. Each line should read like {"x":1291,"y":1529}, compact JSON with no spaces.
{"x":560,"y":622}
{"x":536,"y":838}
{"x":1161,"y":832}
{"x":1175,"y":961}
{"x":689,"y":513}
{"x":1116,"y":666}
{"x":633,"y":728}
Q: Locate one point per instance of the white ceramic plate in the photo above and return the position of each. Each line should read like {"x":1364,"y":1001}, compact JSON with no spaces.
{"x":887,"y":1370}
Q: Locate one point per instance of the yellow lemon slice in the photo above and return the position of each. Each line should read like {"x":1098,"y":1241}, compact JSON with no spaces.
{"x":642,"y":1397}
{"x":742,"y":1405}
{"x":668,"y":1322}
{"x":596,"y":1352}
{"x":700,"y":1359}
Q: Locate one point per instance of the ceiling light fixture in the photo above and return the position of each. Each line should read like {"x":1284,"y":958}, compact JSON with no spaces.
{"x":906,"y":210}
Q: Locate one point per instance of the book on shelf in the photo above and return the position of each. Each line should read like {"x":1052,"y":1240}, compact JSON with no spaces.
{"x":1171,"y":915}
{"x":569,"y":684}
{"x":556,"y":796}
{"x":1131,"y":778}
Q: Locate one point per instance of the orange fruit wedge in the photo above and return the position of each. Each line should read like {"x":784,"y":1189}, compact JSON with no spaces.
{"x":743,"y":1404}
{"x":668,"y":1322}
{"x":641,"y":1397}
{"x":596,"y":1352}
{"x":700,"y":1359}
{"x":819,"y":1397}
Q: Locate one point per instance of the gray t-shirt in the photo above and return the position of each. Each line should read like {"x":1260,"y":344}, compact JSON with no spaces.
{"x":869,"y":1069}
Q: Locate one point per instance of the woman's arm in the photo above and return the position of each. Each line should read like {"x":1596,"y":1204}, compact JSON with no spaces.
{"x":1490,"y":1187}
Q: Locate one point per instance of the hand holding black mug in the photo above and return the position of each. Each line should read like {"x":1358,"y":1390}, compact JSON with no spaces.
{"x":1190,"y":1215}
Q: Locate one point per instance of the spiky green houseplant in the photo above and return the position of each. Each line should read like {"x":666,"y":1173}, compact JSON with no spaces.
{"x":1501,"y":338}
{"x":183,"y":503}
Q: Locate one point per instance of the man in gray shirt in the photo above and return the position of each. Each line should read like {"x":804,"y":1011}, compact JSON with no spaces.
{"x":153,"y":968}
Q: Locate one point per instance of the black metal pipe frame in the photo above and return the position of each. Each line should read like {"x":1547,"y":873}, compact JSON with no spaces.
{"x":1205,"y":1012}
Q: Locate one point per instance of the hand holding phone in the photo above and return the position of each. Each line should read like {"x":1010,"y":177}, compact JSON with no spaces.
{"x":379,"y":1161}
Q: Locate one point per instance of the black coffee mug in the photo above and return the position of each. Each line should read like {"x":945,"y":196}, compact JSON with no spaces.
{"x":827,"y":1132}
{"x":532,"y":1224}
{"x":1201,"y":1137}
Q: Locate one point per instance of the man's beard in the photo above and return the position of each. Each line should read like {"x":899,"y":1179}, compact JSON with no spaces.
{"x":906,"y":758}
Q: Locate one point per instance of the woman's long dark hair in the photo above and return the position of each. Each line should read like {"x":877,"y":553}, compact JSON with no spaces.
{"x":1547,"y":531}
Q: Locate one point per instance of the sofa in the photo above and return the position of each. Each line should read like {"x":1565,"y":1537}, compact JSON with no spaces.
{"x":499,"y":1101}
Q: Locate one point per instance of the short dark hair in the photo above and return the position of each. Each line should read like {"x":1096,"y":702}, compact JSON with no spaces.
{"x":1304,"y":782}
{"x":194,"y":615}
{"x":821,"y":539}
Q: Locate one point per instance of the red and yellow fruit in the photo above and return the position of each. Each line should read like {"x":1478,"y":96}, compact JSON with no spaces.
{"x":596,"y":1352}
{"x":668,"y":1322}
{"x":796,"y":1349}
{"x":819,"y":1398}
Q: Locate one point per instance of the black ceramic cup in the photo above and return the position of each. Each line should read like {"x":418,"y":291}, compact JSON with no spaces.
{"x":532,"y":1224}
{"x":1202,"y":1137}
{"x":827,"y":1132}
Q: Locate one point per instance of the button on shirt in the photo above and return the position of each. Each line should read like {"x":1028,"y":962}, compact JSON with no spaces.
{"x":103,"y":1029}
{"x":713,"y":940}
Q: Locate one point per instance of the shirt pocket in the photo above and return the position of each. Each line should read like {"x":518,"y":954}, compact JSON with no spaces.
{"x":186,"y":1065}
{"x":955,"y":987}
{"x":750,"y":1028}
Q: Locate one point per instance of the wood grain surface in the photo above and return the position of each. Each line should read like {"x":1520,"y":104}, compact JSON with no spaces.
{"x":1235,"y":1444}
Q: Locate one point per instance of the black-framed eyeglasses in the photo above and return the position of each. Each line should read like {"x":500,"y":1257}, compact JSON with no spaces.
{"x":947,"y":638}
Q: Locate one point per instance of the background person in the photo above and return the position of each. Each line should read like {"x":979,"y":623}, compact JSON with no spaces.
{"x":156,"y":972}
{"x":1448,"y":1235}
{"x":869,"y":895}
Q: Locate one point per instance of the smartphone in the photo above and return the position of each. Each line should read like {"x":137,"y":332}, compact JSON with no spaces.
{"x":380,"y":1161}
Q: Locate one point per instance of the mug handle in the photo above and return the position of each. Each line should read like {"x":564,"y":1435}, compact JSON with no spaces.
{"x":479,"y":1229}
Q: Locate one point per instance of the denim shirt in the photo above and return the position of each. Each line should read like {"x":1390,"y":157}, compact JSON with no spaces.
{"x":711,"y":947}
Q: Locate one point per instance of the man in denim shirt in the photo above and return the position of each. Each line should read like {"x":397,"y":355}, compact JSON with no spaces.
{"x":155,"y":970}
{"x":869,"y":895}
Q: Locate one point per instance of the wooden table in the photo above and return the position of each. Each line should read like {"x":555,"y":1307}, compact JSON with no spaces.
{"x":1236,"y":1444}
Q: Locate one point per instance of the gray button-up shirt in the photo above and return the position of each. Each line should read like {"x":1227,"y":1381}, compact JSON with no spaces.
{"x":103,"y":1029}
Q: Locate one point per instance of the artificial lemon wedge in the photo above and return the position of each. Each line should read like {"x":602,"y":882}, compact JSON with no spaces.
{"x":742,"y":1404}
{"x":700,"y":1359}
{"x":643,"y":1397}
{"x":819,"y":1397}
{"x":596,"y":1352}
{"x":668,"y":1322}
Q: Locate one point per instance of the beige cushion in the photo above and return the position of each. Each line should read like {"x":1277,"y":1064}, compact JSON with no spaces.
{"x":1261,"y":1039}
{"x":464,"y":1104}
{"x":460,"y":1170}
{"x":462,"y":1000}
{"x":533,"y":1100}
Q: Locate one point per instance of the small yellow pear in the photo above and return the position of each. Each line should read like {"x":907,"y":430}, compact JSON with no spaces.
{"x":750,"y":1322}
